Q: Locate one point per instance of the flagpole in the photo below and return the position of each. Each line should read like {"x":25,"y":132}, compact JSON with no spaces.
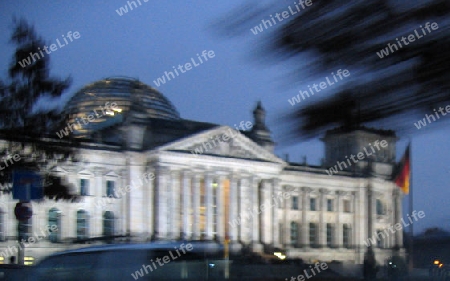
{"x":411,"y":230}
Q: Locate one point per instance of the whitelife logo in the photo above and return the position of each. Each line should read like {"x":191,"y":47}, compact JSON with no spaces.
{"x":341,"y":73}
{"x":411,"y":38}
{"x":360,"y":156}
{"x":187,"y":66}
{"x":53,"y":48}
{"x":423,"y":122}
{"x":210,"y":144}
{"x":123,"y":10}
{"x":280,"y":16}
{"x":166,"y":259}
{"x":376,"y":235}
{"x":109,"y":109}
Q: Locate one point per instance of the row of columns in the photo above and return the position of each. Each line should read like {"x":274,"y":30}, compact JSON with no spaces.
{"x":240,"y":216}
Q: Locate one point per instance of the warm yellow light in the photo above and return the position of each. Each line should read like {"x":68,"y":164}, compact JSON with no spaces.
{"x":110,"y":113}
{"x":118,"y":109}
{"x":279,"y":255}
{"x":436,"y":262}
{"x":28,"y":260}
{"x":440,"y":265}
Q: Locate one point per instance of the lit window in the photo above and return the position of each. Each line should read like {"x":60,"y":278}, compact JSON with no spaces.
{"x":28,"y":260}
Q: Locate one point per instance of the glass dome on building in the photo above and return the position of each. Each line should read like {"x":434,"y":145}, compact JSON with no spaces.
{"x":129,"y":94}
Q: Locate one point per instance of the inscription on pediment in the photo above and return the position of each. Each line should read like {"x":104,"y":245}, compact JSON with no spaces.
{"x":220,"y":145}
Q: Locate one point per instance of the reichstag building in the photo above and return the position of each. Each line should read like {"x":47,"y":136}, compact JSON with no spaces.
{"x":143,"y":176}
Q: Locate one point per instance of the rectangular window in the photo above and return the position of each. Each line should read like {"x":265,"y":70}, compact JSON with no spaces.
{"x":110,"y":189}
{"x":294,"y":234}
{"x":330,"y":230}
{"x":346,"y":231}
{"x":347,"y":206}
{"x":294,"y":202}
{"x":312,"y":204}
{"x":84,"y":187}
{"x":330,"y":205}
{"x":380,"y":207}
{"x":312,"y":235}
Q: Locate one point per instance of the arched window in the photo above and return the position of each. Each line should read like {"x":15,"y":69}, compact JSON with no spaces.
{"x":54,"y":219}
{"x":82,"y":225}
{"x":108,"y":224}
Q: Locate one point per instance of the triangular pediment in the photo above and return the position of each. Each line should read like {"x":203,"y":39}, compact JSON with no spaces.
{"x":58,"y":170}
{"x":222,"y":141}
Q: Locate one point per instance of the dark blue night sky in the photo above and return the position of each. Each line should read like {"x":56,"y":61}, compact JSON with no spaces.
{"x":158,"y":35}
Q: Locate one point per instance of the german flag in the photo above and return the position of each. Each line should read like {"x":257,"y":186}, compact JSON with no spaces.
{"x":403,"y":172}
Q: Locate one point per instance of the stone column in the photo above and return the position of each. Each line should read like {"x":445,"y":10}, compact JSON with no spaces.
{"x":161,"y":199}
{"x":322,"y":225}
{"x":196,"y":207}
{"x":371,"y":212}
{"x":254,"y":191}
{"x":265,"y":212}
{"x":149,"y":187}
{"x":286,"y":223}
{"x":98,"y":190}
{"x":355,"y":224}
{"x":243,"y":202}
{"x":276,"y":190}
{"x":209,"y":203}
{"x":339,"y":241}
{"x":186,"y":206}
{"x":123,"y":203}
{"x":305,"y":222}
{"x":174,"y":202}
{"x":244,"y":212}
{"x":233,"y":210}
{"x":220,"y":209}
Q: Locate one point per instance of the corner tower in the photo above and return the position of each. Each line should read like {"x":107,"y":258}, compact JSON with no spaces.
{"x":361,"y":150}
{"x":260,"y":133}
